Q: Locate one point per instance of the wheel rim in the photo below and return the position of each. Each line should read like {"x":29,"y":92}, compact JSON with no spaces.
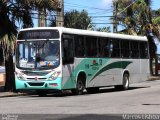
{"x":126,"y":81}
{"x":80,"y":87}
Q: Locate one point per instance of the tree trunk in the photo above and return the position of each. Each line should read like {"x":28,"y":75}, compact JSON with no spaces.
{"x":151,"y":66}
{"x":10,"y":79}
{"x":156,"y":66}
{"x":152,"y":52}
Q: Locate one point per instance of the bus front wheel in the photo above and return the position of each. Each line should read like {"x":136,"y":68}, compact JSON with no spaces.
{"x":79,"y":87}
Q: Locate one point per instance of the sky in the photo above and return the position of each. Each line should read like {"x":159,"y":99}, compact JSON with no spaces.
{"x":94,"y":8}
{"x":103,"y":8}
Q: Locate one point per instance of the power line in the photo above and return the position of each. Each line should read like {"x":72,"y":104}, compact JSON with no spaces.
{"x":104,"y":12}
{"x":96,"y":12}
{"x":126,"y":7}
{"x":62,"y":16}
{"x":100,"y":16}
{"x":103,"y":23}
{"x":83,"y":6}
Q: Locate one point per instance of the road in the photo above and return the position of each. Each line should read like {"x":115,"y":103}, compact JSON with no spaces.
{"x":142,"y":98}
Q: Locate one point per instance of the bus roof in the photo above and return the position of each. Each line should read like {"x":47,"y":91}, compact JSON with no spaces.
{"x":90,"y":33}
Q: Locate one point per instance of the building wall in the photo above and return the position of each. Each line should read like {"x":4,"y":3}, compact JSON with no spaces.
{"x":2,"y":79}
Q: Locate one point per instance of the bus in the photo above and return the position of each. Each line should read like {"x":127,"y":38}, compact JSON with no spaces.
{"x":58,"y":58}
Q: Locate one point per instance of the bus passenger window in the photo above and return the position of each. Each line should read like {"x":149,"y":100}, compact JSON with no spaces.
{"x":125,"y":49}
{"x":102,"y":46}
{"x":134,"y":49}
{"x":115,"y":48}
{"x":91,"y":45}
{"x":109,"y":48}
{"x":143,"y":50}
{"x":79,"y":46}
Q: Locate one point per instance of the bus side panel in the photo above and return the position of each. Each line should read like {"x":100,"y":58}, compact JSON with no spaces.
{"x":145,"y":71}
{"x":69,"y":80}
{"x":97,"y":72}
{"x":107,"y":74}
{"x":134,"y":70}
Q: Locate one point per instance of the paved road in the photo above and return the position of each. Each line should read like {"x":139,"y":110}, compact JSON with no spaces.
{"x":142,"y":98}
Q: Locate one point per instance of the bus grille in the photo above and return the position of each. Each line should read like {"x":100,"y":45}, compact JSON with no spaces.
{"x":36,"y":84}
{"x":37,"y":79}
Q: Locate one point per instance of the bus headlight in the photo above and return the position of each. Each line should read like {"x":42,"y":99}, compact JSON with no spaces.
{"x":19,"y":76}
{"x":54,"y":76}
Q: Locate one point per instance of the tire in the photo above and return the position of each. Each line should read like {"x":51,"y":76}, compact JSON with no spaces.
{"x":41,"y":93}
{"x":79,"y":87}
{"x":125,"y":83}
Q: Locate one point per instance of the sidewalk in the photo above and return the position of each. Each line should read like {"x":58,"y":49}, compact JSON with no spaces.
{"x":154,"y":78}
{"x":11,"y":94}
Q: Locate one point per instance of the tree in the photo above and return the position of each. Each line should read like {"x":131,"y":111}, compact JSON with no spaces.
{"x":156,"y":18}
{"x":76,"y":19}
{"x":104,"y":29}
{"x":136,"y":17}
{"x":12,"y":12}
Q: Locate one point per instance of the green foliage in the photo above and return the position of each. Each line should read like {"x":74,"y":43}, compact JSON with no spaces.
{"x":76,"y":19}
{"x":136,"y":16}
{"x":104,"y":29}
{"x":156,"y":20}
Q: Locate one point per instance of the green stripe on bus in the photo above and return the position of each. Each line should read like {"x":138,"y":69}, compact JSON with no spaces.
{"x":119,"y":64}
{"x":93,"y":70}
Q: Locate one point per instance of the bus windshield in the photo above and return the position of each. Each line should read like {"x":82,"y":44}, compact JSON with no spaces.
{"x":43,"y":54}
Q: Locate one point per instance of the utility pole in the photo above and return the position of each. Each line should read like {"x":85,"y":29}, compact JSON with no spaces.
{"x":42,"y":18}
{"x":115,"y":10}
{"x":60,"y":14}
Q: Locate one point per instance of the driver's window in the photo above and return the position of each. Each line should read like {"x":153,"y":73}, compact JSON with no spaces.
{"x":68,"y":51}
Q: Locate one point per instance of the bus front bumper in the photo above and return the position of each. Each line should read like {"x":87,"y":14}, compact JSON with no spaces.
{"x":39,"y":85}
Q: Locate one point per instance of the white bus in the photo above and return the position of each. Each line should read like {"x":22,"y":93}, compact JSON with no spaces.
{"x":57,"y":58}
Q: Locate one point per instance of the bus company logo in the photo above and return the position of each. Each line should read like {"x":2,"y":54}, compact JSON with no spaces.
{"x":95,"y":65}
{"x":36,"y":78}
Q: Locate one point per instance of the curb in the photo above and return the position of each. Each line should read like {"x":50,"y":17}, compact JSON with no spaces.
{"x":11,"y":94}
{"x":154,"y":78}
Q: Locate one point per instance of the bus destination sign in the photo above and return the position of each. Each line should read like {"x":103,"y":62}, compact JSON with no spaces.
{"x":38,"y":34}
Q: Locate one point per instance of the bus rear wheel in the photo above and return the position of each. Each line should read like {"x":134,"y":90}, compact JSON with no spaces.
{"x":125,"y":84}
{"x":79,"y":87}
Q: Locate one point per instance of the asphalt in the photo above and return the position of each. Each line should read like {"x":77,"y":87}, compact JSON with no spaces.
{"x":13,"y":94}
